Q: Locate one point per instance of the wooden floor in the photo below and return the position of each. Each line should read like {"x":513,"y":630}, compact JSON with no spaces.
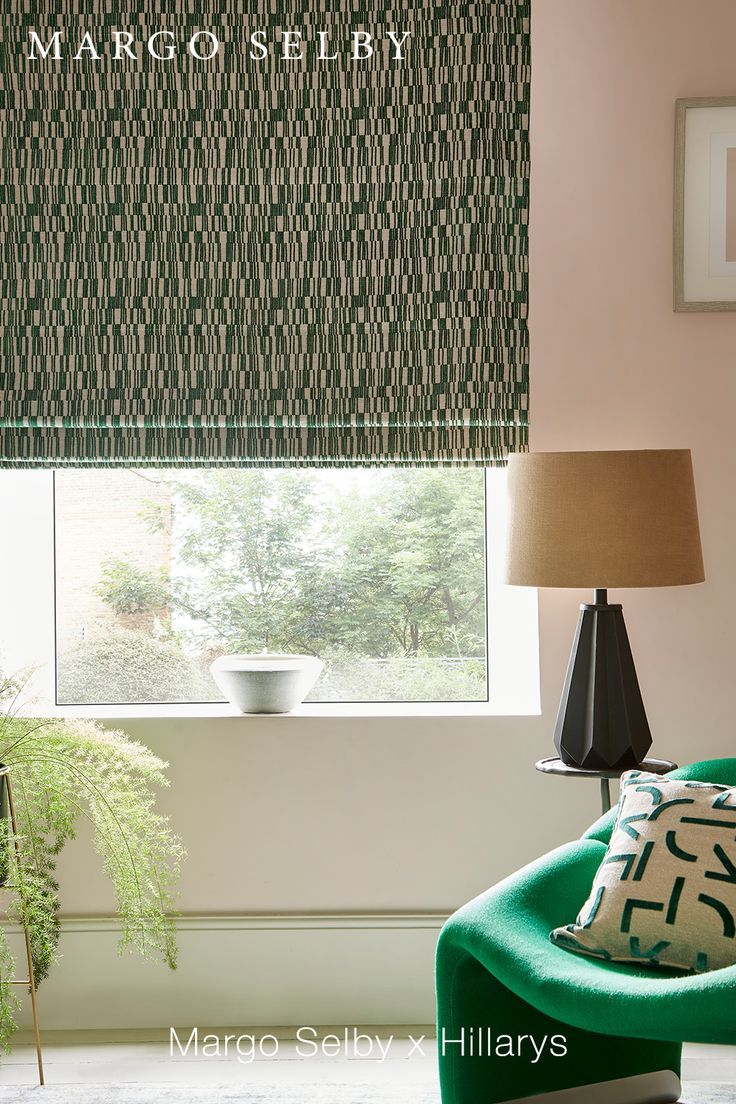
{"x":143,"y":1056}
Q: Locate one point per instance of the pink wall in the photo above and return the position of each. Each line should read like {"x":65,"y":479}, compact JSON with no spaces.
{"x":612,"y":365}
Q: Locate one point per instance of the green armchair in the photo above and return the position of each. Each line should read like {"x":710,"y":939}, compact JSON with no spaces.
{"x":510,"y":1003}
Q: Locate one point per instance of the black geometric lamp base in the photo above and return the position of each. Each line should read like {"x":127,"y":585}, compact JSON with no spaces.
{"x":601,"y":721}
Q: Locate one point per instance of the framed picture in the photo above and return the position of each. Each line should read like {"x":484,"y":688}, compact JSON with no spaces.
{"x":705,"y":204}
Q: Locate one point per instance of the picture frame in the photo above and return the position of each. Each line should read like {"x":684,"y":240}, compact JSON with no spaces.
{"x":705,"y":204}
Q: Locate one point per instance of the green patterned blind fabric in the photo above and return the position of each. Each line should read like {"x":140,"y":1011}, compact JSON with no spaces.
{"x":263,"y":260}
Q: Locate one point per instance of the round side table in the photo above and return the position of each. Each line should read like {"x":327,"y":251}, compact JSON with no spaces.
{"x":554,"y":765}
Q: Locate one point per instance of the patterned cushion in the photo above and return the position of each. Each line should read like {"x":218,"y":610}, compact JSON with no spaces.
{"x":665,"y":893}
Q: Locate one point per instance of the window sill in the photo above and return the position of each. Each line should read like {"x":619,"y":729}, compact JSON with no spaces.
{"x":214,"y":710}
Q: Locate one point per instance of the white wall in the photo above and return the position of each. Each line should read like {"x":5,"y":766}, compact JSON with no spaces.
{"x":303,"y":815}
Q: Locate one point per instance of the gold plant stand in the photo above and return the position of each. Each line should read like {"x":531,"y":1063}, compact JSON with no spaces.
{"x":30,"y":980}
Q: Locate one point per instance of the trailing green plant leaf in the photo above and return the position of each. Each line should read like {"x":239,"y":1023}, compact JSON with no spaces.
{"x":9,"y":1002}
{"x":62,"y":771}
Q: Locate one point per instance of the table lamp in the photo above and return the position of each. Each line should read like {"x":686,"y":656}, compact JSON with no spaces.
{"x":600,"y":520}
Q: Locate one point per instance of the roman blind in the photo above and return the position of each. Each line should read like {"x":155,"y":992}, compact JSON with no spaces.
{"x":258,"y":259}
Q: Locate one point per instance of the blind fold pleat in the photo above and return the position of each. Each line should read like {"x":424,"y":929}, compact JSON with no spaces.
{"x":233,"y":261}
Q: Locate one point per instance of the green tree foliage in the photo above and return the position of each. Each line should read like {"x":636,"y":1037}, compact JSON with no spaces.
{"x":385,"y":565}
{"x":249,"y":554}
{"x":129,"y":589}
{"x":391,"y":566}
{"x":127,"y":666}
{"x":412,"y":575}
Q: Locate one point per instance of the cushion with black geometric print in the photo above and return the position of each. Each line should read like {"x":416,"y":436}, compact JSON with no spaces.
{"x":665,"y":893}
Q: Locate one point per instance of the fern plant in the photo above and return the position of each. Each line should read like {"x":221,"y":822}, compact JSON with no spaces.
{"x":62,"y":771}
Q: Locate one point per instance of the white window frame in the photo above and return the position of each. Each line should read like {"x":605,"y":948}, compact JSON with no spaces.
{"x":27,"y":602}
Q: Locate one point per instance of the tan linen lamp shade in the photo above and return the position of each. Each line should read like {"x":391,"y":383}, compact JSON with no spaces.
{"x":600,"y":520}
{"x":603,"y":519}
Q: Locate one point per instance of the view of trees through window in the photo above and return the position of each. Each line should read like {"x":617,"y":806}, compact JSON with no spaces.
{"x":380,"y":572}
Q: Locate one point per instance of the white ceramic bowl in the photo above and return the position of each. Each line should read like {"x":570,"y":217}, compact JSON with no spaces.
{"x":267,"y":682}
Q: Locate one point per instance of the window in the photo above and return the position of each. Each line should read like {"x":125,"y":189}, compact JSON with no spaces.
{"x":383,"y":573}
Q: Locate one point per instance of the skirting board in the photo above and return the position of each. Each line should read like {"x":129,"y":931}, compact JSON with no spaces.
{"x":247,"y":970}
